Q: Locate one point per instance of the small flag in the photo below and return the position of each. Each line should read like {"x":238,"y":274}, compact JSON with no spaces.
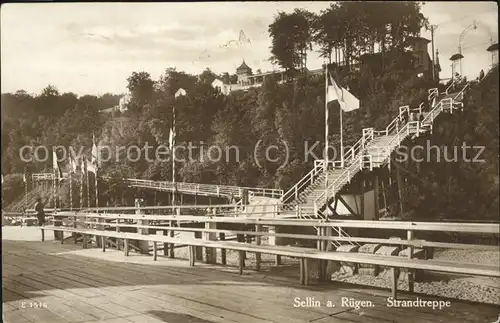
{"x":180,"y":92}
{"x":24,"y":177}
{"x":91,"y":167}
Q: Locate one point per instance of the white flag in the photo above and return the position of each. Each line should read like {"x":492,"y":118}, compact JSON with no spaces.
{"x":180,"y":92}
{"x":347,"y":101}
{"x":351,"y":103}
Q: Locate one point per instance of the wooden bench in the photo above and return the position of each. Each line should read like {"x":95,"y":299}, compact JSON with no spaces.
{"x":303,"y":254}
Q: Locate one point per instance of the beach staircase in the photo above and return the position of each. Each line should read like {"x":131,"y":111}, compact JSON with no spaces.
{"x":373,"y":149}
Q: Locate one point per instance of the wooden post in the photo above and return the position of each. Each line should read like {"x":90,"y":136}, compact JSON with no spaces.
{"x":241,"y":259}
{"x":306,"y":271}
{"x":362,"y":198}
{"x":171,"y":245}
{"x":84,"y":241}
{"x":103,"y":243}
{"x":411,"y":272}
{"x":191,"y":256}
{"x":321,"y":262}
{"x":377,"y":194}
{"x":165,"y":245}
{"x":118,"y":241}
{"x":143,"y":245}
{"x":125,"y":247}
{"x":43,"y":234}
{"x":258,"y":228}
{"x":155,"y":250}
{"x":400,"y":190}
{"x":394,"y":278}
{"x":277,"y":260}
{"x":302,"y":271}
{"x":211,"y":253}
{"x":222,"y":237}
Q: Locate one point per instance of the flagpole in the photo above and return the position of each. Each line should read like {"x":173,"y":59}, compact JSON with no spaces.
{"x":54,"y":179}
{"x":25,"y":190}
{"x":326,"y":134}
{"x":173,"y":154}
{"x":96,"y":191}
{"x":70,"y":186}
{"x":81,"y":187}
{"x":96,"y":153}
{"x":88,"y":184}
{"x":341,"y":141}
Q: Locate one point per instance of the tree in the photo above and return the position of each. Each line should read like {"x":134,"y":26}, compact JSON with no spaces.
{"x":141,"y":87}
{"x":207,"y":76}
{"x":291,"y":36}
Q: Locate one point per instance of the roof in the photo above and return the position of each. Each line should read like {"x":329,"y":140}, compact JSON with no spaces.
{"x":492,"y":47}
{"x":243,"y":66}
{"x":454,"y":57}
{"x":416,"y":39}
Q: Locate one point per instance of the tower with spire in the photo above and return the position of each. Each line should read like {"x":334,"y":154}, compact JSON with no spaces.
{"x":243,"y":72}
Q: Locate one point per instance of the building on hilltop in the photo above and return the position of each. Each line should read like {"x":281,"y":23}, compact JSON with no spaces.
{"x":122,"y":104}
{"x":124,"y":101}
{"x":418,"y":54}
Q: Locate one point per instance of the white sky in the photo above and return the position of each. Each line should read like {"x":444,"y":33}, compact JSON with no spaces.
{"x":91,"y":48}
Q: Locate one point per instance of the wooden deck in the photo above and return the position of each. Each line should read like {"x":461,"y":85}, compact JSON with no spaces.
{"x":75,"y":285}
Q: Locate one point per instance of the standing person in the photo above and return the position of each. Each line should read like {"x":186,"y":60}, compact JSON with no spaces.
{"x":40,"y":214}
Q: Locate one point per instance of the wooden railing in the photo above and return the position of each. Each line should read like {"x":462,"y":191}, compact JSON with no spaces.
{"x":308,"y":179}
{"x":204,"y":189}
{"x":109,"y":225}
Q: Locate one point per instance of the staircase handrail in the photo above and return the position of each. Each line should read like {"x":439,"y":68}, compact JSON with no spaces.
{"x":439,"y":106}
{"x":400,"y":136}
{"x":462,"y":91}
{"x":394,"y":124}
{"x":432,"y":93}
{"x":308,"y":178}
{"x":453,"y":83}
{"x":346,"y":173}
{"x":355,"y":149}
